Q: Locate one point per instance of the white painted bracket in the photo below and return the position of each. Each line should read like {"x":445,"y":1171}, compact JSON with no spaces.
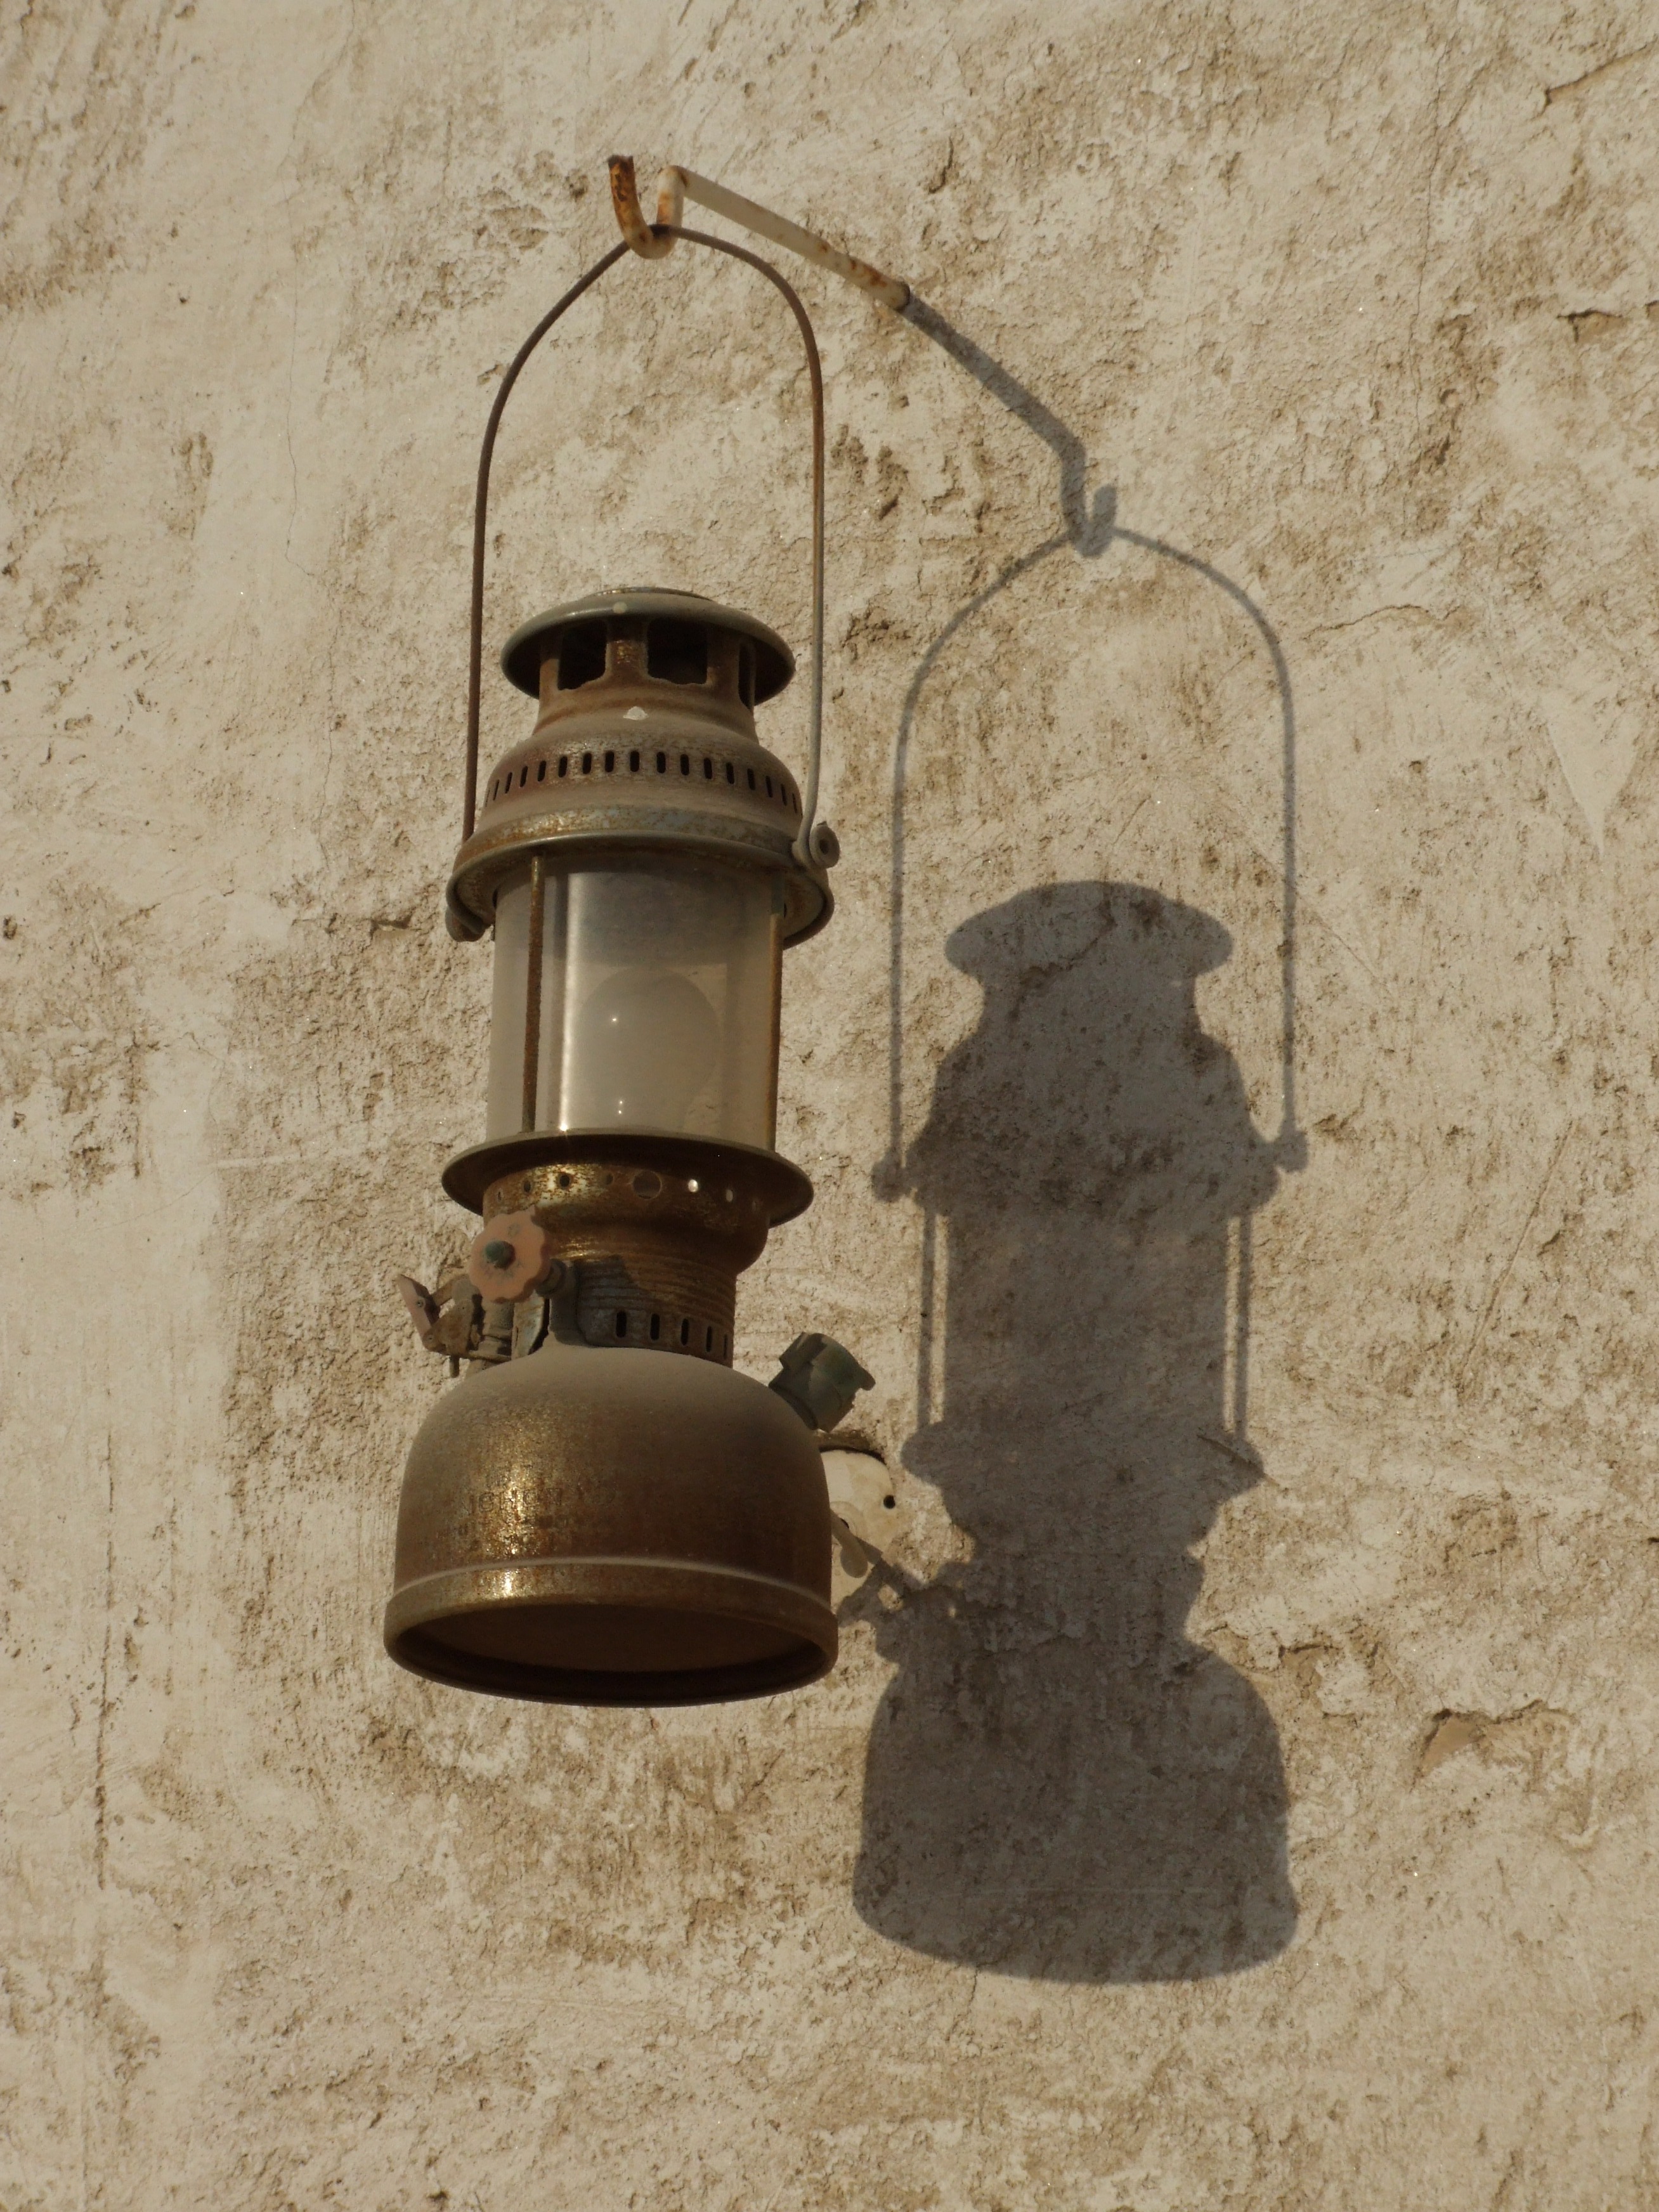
{"x":867,"y":1513}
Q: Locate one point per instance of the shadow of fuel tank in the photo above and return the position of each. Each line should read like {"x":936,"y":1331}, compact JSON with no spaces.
{"x":1059,"y":1783}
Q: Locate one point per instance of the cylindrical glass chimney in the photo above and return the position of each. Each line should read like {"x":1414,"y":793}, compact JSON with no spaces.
{"x":654,"y":1001}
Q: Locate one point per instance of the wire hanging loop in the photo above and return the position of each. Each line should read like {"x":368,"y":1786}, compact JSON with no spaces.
{"x":663,"y":235}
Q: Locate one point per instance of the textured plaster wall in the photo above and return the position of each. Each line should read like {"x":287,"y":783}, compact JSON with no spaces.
{"x":1201,"y":1815}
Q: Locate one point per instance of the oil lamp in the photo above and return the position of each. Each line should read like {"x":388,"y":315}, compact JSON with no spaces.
{"x":603,"y":1511}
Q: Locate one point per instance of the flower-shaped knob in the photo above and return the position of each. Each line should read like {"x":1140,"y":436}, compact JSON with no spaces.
{"x":512,"y":1255}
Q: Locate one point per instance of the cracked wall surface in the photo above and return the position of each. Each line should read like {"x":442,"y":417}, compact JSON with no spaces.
{"x":1230,"y":1084}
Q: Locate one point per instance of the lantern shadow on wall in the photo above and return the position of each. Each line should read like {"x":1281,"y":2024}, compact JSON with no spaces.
{"x":1059,"y":1783}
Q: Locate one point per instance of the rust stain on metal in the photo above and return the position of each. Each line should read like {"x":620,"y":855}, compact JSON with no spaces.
{"x":625,"y":199}
{"x":632,"y":757}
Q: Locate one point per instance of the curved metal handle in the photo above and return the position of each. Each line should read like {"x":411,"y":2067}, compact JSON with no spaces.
{"x":480,"y":516}
{"x":805,"y":849}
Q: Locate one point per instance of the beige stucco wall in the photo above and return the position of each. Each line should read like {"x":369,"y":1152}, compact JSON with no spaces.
{"x":1263,"y":1822}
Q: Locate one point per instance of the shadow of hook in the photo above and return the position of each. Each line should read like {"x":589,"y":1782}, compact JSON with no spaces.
{"x":1088,"y":522}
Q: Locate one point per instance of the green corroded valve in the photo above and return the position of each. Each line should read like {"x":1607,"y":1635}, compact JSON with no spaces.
{"x":818,"y":1379}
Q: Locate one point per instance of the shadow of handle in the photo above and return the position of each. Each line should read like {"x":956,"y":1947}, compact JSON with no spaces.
{"x":1090,"y":526}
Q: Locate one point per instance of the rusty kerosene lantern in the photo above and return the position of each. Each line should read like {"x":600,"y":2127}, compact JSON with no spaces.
{"x":603,"y":1511}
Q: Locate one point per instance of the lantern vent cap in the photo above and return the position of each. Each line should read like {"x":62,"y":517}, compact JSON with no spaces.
{"x":529,"y":644}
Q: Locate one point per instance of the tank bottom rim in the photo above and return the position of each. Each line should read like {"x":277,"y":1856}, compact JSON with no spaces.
{"x":634,"y":1631}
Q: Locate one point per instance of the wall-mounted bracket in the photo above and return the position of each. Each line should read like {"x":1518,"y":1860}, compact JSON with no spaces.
{"x":675,"y":185}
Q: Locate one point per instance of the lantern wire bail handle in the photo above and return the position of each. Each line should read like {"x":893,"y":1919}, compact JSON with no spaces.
{"x":652,"y":241}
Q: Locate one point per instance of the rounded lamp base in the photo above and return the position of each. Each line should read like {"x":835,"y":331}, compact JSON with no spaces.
{"x":613,"y":1527}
